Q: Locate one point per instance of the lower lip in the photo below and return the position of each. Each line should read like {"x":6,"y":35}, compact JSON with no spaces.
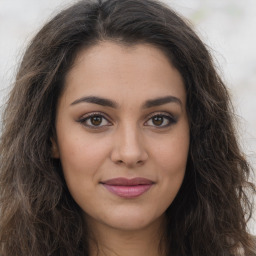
{"x":128,"y":191}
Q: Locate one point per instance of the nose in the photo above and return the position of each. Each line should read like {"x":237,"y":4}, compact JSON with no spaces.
{"x":129,"y":149}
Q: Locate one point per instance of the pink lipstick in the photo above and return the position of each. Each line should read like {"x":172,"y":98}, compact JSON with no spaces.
{"x":128,"y":188}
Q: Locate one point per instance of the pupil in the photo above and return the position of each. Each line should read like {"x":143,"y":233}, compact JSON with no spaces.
{"x":96,"y":120}
{"x":158,"y":120}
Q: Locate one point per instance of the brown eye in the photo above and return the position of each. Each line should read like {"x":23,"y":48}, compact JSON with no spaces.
{"x":161,"y":121}
{"x":158,"y":120}
{"x":96,"y":120}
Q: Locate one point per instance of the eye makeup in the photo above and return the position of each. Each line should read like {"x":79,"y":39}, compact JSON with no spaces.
{"x":99,"y":120}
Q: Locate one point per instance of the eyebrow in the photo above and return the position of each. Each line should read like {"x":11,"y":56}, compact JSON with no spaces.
{"x":161,"y":101}
{"x":110,"y":103}
{"x":96,"y":100}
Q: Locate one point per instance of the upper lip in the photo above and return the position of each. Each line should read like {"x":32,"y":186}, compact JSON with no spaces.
{"x":127,"y":182}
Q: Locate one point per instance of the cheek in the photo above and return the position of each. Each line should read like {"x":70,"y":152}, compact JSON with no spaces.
{"x":171,"y":159}
{"x":81,"y":160}
{"x":81,"y":157}
{"x":172,"y":153}
{"x":76,"y":146}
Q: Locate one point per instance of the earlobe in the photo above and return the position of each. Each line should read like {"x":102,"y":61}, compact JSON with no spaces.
{"x":55,"y":149}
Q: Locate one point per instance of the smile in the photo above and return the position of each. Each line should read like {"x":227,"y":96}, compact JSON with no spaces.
{"x":128,"y":188}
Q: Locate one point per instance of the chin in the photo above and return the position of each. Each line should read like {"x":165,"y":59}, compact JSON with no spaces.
{"x":131,"y":221}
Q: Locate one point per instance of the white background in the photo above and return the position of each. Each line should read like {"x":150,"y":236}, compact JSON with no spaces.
{"x":227,"y":26}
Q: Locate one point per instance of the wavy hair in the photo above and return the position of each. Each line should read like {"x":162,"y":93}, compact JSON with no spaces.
{"x":38,"y":216}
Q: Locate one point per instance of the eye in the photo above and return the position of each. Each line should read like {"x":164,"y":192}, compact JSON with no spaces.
{"x":94,"y":120}
{"x":161,"y":120}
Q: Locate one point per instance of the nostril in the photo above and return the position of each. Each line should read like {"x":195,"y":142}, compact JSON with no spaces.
{"x":119,"y":162}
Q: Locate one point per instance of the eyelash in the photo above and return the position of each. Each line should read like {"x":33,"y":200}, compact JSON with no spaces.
{"x":84,"y":119}
{"x":170,"y":119}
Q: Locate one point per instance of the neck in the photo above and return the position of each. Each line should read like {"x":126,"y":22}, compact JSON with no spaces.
{"x":108,"y":241}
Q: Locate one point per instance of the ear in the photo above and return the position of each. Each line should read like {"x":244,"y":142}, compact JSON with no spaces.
{"x":55,"y":149}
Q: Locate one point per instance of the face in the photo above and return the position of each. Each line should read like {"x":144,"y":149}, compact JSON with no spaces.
{"x":122,"y":134}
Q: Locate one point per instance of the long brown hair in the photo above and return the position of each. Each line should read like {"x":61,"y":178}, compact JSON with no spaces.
{"x":37,"y":214}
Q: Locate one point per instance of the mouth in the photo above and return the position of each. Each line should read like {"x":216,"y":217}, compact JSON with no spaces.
{"x":128,"y":188}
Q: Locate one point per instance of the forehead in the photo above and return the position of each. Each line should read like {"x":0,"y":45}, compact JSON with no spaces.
{"x":116,"y":70}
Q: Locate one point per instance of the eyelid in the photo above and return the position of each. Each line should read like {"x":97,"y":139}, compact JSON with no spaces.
{"x":163,"y":113}
{"x":172,"y":118}
{"x":95,"y":113}
{"x":83,"y":118}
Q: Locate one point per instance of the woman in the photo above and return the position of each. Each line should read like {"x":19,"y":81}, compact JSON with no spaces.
{"x":118,"y":139}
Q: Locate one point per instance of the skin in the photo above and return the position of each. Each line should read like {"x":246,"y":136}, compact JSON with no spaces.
{"x":125,"y":142}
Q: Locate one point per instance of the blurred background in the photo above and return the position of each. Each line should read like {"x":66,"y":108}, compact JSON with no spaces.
{"x":227,"y":27}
